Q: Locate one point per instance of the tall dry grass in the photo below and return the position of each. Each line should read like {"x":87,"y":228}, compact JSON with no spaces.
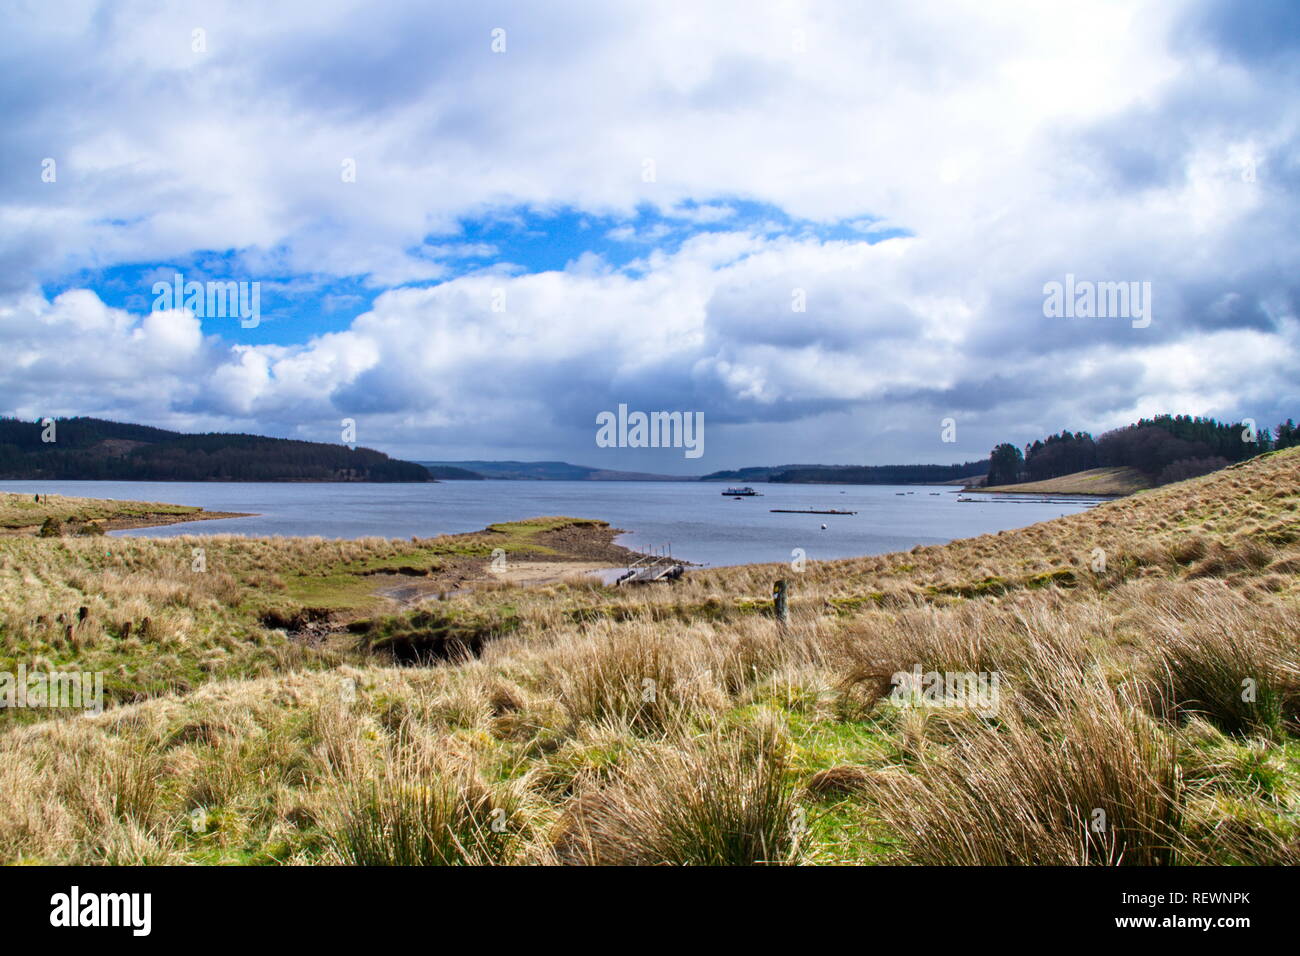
{"x":413,"y":810}
{"x":683,"y":725}
{"x":1216,"y":654}
{"x":722,"y":800}
{"x":1087,"y":779}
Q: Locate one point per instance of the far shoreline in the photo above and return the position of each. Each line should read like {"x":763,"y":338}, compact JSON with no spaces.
{"x":1004,"y":490}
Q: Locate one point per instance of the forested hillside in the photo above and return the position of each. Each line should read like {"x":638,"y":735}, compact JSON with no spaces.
{"x":855,"y":474}
{"x":99,"y":450}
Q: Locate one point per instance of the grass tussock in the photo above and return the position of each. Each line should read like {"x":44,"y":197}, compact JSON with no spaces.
{"x":1085,"y":782}
{"x":1227,"y":659}
{"x":724,"y":800}
{"x":415,"y":811}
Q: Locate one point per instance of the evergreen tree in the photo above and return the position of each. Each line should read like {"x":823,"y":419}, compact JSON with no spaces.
{"x":1164,"y":448}
{"x":1005,"y":465}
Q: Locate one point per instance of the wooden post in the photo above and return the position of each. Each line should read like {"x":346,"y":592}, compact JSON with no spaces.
{"x":778,"y":602}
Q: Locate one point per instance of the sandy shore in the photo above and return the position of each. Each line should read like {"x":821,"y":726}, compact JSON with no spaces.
{"x":517,"y":574}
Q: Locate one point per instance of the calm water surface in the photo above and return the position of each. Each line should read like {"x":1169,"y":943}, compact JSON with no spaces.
{"x":700,"y":523}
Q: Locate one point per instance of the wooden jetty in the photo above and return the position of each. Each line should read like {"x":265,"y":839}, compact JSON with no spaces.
{"x":652,"y":567}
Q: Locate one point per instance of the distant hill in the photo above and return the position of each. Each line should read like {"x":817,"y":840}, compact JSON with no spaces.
{"x":856,"y":474}
{"x":757,"y":473}
{"x":802,"y":474}
{"x":450,"y":472}
{"x":92,"y":449}
{"x":545,"y":471}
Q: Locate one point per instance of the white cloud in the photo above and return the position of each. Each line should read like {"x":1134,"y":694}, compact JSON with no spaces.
{"x":1016,"y":142}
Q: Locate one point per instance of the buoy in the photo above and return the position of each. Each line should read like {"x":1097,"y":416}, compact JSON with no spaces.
{"x":823,"y":526}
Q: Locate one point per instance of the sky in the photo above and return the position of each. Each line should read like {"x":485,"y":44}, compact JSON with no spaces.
{"x":826,"y":227}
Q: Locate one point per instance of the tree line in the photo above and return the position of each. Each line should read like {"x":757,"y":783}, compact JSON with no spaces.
{"x":1165,"y":448}
{"x":853,"y":474}
{"x":880,"y":474}
{"x":91,"y":449}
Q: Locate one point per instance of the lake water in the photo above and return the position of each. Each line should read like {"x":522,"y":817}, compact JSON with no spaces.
{"x":701,"y":524}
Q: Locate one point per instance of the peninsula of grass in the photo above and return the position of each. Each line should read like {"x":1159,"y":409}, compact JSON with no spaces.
{"x":30,"y":513}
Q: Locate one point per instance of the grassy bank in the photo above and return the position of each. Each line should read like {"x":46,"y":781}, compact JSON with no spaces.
{"x":1095,"y":481}
{"x":167,"y":615}
{"x":1148,"y":654}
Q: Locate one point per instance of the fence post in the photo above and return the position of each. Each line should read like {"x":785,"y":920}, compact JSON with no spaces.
{"x":778,"y":602}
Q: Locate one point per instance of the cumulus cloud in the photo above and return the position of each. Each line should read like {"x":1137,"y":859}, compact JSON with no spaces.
{"x":1013,"y":143}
